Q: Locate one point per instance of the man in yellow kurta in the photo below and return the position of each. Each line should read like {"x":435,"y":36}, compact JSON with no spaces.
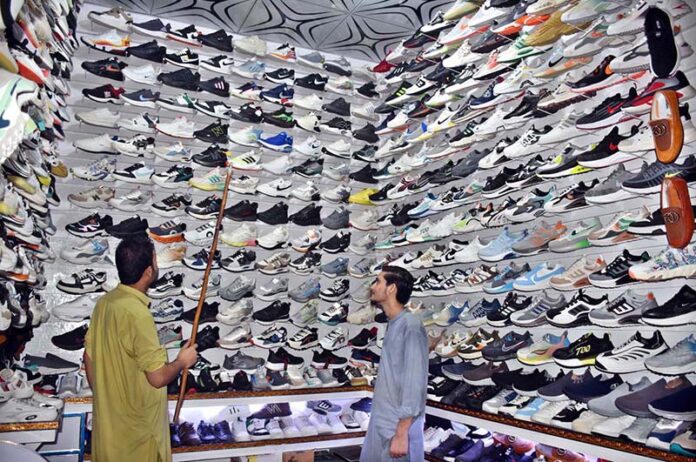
{"x":126,"y":366}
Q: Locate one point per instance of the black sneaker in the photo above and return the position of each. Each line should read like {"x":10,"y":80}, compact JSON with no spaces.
{"x":240,"y":261}
{"x":168,"y":284}
{"x":338,"y":106}
{"x":216,"y":109}
{"x":281,"y":75}
{"x":606,"y":152}
{"x":218,"y":40}
{"x":183,"y":58}
{"x":312,"y":81}
{"x":365,"y":339}
{"x":366,"y":153}
{"x":272,"y":411}
{"x":213,"y":156}
{"x":183,"y":78}
{"x":615,"y":274}
{"x":402,"y":217}
{"x":583,"y":351}
{"x":367,"y":90}
{"x":497,"y":186}
{"x":110,"y":68}
{"x":654,"y":225}
{"x":596,"y":78}
{"x":280,"y":118}
{"x":677,"y":311}
{"x":242,"y":211}
{"x":103,"y":94}
{"x":306,"y":263}
{"x":364,"y":175}
{"x":325,"y":359}
{"x":153,"y":27}
{"x":337,"y":125}
{"x":381,"y":195}
{"x":206,"y":209}
{"x":217,"y":86}
{"x":208,"y":312}
{"x":512,"y":304}
{"x":649,"y":179}
{"x":71,"y":340}
{"x":440,"y":387}
{"x":149,"y":51}
{"x":310,"y":168}
{"x":241,"y":382}
{"x":337,"y":243}
{"x":142,"y":98}
{"x":90,"y":226}
{"x":207,"y":338}
{"x":280,"y":360}
{"x":528,"y":384}
{"x":366,"y":134}
{"x":84,"y":282}
{"x":506,"y":347}
{"x":607,"y":113}
{"x":213,"y":133}
{"x":278,"y":311}
{"x":276,"y":215}
{"x":307,"y":216}
{"x":134,"y":226}
{"x":248,"y":112}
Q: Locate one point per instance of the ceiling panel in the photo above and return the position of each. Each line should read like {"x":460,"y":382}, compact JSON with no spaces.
{"x":362,"y":29}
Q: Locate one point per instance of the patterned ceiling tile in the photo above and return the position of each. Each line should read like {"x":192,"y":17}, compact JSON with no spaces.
{"x":362,"y":29}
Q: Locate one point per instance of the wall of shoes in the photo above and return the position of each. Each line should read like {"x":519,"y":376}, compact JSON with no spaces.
{"x":487,"y":154}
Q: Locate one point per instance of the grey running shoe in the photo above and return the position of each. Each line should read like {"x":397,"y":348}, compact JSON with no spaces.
{"x":362,"y":268}
{"x":637,"y":403}
{"x":306,"y":291}
{"x":239,"y":312}
{"x":307,"y":314}
{"x":50,"y":364}
{"x":86,"y":252}
{"x":538,"y":239}
{"x":649,"y":179}
{"x":664,"y":432}
{"x":169,"y":335}
{"x":314,"y":58}
{"x":535,"y":315}
{"x":625,"y":309}
{"x":238,"y":337}
{"x":639,"y":430}
{"x":336,"y":267}
{"x":364,"y":245}
{"x":610,"y":190}
{"x":477,"y":315}
{"x":606,"y":405}
{"x":98,"y":196}
{"x":242,"y":362}
{"x":240,"y":287}
{"x":337,"y":172}
{"x":680,"y":359}
{"x":276,"y":263}
{"x":576,"y":238}
{"x":363,"y":293}
{"x":338,"y":219}
{"x":275,"y":289}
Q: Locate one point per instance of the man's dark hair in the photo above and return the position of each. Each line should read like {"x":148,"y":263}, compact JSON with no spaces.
{"x":403,"y":281}
{"x":133,"y":256}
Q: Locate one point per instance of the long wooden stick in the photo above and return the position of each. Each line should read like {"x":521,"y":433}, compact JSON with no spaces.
{"x":204,"y":290}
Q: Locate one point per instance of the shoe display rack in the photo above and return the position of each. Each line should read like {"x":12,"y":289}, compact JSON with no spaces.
{"x":502,"y":154}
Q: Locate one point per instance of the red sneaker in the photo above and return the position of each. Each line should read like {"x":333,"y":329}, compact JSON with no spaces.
{"x":383,"y":66}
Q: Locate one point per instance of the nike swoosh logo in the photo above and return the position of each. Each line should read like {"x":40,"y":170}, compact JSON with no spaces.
{"x":511,"y":347}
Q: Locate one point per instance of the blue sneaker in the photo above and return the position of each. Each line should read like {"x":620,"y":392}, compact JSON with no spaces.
{"x":664,"y":432}
{"x":251,"y":70}
{"x":500,"y":248}
{"x":282,"y":142}
{"x":306,"y":291}
{"x":538,"y":278}
{"x":282,"y":94}
{"x":424,"y":209}
{"x":206,"y":433}
{"x":478,"y":314}
{"x":450,"y":314}
{"x":504,"y":281}
{"x":364,"y":405}
{"x":530,"y":409}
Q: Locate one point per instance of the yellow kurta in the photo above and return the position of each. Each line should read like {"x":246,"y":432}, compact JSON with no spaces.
{"x":130,"y":420}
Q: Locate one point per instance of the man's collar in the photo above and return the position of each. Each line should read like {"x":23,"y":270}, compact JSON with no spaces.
{"x":141,"y":296}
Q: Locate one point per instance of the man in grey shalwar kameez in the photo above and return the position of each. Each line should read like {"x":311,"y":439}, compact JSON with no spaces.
{"x":398,"y":403}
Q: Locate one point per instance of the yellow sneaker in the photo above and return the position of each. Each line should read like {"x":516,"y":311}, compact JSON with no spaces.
{"x":362,"y":197}
{"x":553,"y":29}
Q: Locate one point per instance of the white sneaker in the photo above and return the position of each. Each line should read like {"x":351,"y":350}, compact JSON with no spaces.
{"x":244,"y":184}
{"x":243,"y":235}
{"x":278,"y":166}
{"x":193,"y":291}
{"x":276,"y":239}
{"x":308,"y":192}
{"x":339,"y":148}
{"x":132,"y":201}
{"x":252,"y":45}
{"x":145,"y":74}
{"x":366,"y":111}
{"x":180,"y":127}
{"x":337,"y":195}
{"x":144,"y":123}
{"x":102,"y":144}
{"x":279,"y":187}
{"x":202,"y":235}
{"x":366,"y":221}
{"x":136,"y":173}
{"x":176,"y":152}
{"x":310,"y":147}
{"x":99,"y":118}
{"x":136,"y":146}
{"x":76,"y":310}
{"x":26,"y":410}
{"x":341,"y":85}
{"x":310,"y":102}
{"x":247,"y":137}
{"x":249,"y":161}
{"x":309,"y":122}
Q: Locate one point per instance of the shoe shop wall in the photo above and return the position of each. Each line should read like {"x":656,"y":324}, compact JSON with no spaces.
{"x":466,"y":162}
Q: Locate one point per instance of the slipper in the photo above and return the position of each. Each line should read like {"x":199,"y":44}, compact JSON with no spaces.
{"x":666,"y":125}
{"x":677,"y":211}
{"x":664,"y":54}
